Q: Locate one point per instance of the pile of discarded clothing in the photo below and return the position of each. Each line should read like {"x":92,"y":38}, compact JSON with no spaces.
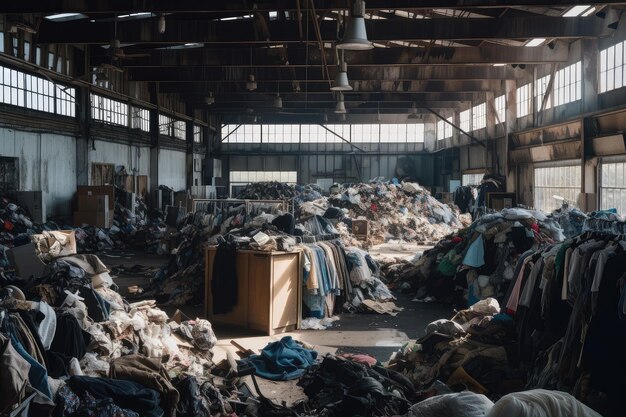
{"x":464,"y":198}
{"x":477,"y":356}
{"x":571,"y":220}
{"x":398,"y":211}
{"x":73,"y":346}
{"x":479,"y":261}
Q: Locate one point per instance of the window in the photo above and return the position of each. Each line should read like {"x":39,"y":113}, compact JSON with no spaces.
{"x":613,"y":187}
{"x":523,"y":101}
{"x":500,"y":104}
{"x":568,"y":84}
{"x":38,"y":56}
{"x":465,"y":118}
{"x":479,"y":116}
{"x":472,"y":179}
{"x":25,"y":90}
{"x":564,"y":181}
{"x":174,"y":128}
{"x":365,"y":133}
{"x":541,"y":86}
{"x":198,"y":135}
{"x":108,"y":110}
{"x":140,"y":118}
{"x":16,"y":45}
{"x":612,"y":63}
{"x":444,"y":130}
{"x":9,"y":174}
{"x":242,"y":134}
{"x":336,"y":132}
{"x":50,"y":60}
{"x":415,"y":132}
{"x":246,"y":177}
{"x":26,"y":55}
{"x":1,"y":41}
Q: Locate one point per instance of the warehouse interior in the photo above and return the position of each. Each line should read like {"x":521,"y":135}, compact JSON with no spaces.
{"x":312,"y":208}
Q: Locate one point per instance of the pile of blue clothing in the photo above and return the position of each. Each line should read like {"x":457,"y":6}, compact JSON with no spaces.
{"x":282,"y":360}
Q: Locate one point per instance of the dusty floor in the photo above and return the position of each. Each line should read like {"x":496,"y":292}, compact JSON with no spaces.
{"x":373,"y":334}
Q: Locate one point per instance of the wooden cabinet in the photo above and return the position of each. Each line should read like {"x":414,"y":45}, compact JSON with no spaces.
{"x":268,"y":291}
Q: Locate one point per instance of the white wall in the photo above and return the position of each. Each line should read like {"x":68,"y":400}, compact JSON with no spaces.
{"x":172,"y":171}
{"x":47,"y":162}
{"x":130,"y":156}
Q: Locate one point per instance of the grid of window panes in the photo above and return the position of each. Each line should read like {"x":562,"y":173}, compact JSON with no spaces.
{"x":523,"y":100}
{"x":140,"y":118}
{"x":500,"y":105}
{"x":541,"y":86}
{"x":465,"y":118}
{"x":175,"y":128}
{"x":562,"y":181}
{"x":108,"y":110}
{"x":65,"y":101}
{"x":335,"y":133}
{"x":613,"y":67}
{"x":444,"y":130}
{"x":415,"y":132}
{"x":246,"y":177}
{"x":479,"y":116}
{"x":568,"y":84}
{"x":365,"y":133}
{"x":613,"y":187}
{"x":472,"y":179}
{"x":25,"y":90}
{"x":198,"y":135}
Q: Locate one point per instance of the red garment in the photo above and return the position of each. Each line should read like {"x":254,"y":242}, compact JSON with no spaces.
{"x":457,"y":239}
{"x":360,"y":358}
{"x":374,"y":207}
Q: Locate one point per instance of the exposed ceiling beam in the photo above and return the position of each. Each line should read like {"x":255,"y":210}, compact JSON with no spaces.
{"x":422,"y":74}
{"x":355,"y":73}
{"x":377,"y":57}
{"x":236,"y":6}
{"x":380,"y":31}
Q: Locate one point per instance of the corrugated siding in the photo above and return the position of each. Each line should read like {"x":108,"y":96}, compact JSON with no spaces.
{"x":172,"y":169}
{"x":132,"y":157}
{"x":47,"y":162}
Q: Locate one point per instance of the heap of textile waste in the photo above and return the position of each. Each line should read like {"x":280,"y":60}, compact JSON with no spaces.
{"x":398,"y":211}
{"x":73,"y":346}
{"x":459,"y":366}
{"x":476,"y":262}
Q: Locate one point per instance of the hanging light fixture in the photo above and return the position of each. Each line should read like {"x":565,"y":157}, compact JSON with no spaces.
{"x":413,"y":115}
{"x":209,"y":99}
{"x":378,"y":111}
{"x":161,"y":25}
{"x":355,"y":35}
{"x":251,"y":83}
{"x":340,"y":108}
{"x":341,"y":79}
{"x":278,"y":101}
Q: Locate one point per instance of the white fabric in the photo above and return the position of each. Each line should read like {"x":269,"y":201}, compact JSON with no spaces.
{"x":462,"y":404}
{"x":540,"y":403}
{"x":48,"y":326}
{"x":486,"y":307}
{"x":446,"y":327}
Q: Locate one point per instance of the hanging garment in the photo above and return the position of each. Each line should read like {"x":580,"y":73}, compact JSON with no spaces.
{"x":224,"y":279}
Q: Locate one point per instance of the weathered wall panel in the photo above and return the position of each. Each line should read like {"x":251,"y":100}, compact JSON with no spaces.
{"x":134,"y":158}
{"x":172,"y":169}
{"x":47,"y":162}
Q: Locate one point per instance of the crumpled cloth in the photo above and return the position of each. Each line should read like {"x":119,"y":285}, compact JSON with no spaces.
{"x":282,"y":360}
{"x":462,"y":404}
{"x":540,"y":403}
{"x":149,"y":373}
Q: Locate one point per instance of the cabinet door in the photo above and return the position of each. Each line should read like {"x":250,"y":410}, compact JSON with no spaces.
{"x":285,"y":290}
{"x":259,"y":291}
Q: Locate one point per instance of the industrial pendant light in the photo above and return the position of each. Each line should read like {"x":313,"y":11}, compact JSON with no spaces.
{"x":355,"y":35}
{"x":278,"y":101}
{"x":251,"y":83}
{"x":340,"y":108}
{"x":209,"y":99}
{"x":413,"y":115}
{"x":341,"y":79}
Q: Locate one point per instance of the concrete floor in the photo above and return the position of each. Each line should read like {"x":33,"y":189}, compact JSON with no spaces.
{"x":373,"y":334}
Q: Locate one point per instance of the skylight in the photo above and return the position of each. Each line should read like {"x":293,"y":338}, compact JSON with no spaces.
{"x":578,"y":10}
{"x":141,"y":15}
{"x":535,"y":42}
{"x":64,"y":17}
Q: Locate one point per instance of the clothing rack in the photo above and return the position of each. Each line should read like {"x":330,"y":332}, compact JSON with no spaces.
{"x":317,"y":238}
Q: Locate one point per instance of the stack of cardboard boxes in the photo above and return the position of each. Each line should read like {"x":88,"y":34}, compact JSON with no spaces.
{"x":96,"y":206}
